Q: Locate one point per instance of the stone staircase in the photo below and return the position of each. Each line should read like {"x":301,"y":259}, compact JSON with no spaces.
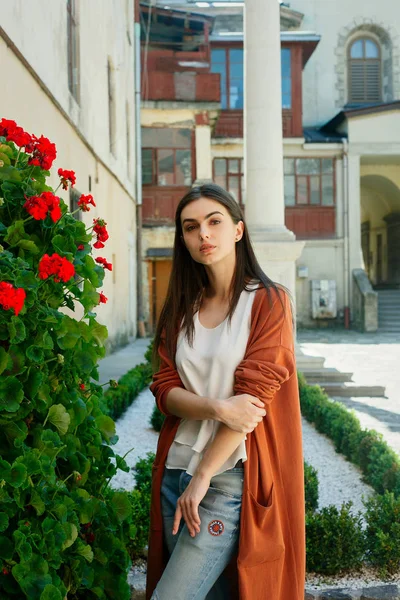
{"x":389,"y":311}
{"x":335,"y":383}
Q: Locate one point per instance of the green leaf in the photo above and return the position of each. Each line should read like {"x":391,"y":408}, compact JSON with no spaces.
{"x":28,"y":245}
{"x":11,"y":394}
{"x":122,"y":506}
{"x":17,"y":330}
{"x":17,"y":475}
{"x":99,"y":333}
{"x":50,"y":592}
{"x":59,"y":417}
{"x":71,"y":532}
{"x":4,"y":521}
{"x":5,"y":360}
{"x":106,"y":425}
{"x":35,"y":354}
{"x":37,"y":503}
{"x":85,"y":550}
{"x":15,"y":232}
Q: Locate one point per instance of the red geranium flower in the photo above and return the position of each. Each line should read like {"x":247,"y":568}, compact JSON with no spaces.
{"x":81,"y":247}
{"x":56,"y":265}
{"x":103,"y":299}
{"x":43,"y":152}
{"x":10,"y":130}
{"x":100,"y":230}
{"x":67,"y":176}
{"x":84,"y":202}
{"x":39,"y":206}
{"x":11,"y":297}
{"x":103,"y":261}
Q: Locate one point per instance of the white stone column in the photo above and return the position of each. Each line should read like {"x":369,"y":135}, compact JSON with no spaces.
{"x":275,"y":246}
{"x":265,"y":210}
{"x":203,"y":149}
{"x":356,"y":260}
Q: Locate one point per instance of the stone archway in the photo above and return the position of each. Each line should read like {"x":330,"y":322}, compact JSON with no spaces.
{"x":389,"y":42}
{"x":380,"y":228}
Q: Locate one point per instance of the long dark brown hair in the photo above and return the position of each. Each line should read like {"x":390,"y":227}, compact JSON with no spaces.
{"x":189,"y":278}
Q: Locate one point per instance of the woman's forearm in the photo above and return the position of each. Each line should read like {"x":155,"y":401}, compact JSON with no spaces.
{"x":223,"y":445}
{"x":187,"y":405}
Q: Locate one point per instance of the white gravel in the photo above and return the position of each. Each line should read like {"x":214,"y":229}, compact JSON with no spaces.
{"x":134,"y":431}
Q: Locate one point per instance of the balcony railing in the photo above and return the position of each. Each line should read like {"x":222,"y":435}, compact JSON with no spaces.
{"x":181,"y":86}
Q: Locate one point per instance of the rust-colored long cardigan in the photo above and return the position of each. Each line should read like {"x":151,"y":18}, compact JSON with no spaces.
{"x":270,"y":563}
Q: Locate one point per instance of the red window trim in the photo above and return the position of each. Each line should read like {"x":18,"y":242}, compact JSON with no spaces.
{"x":308,"y":204}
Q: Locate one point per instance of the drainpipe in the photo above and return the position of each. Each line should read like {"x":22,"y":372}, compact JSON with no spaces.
{"x":138,"y":160}
{"x":346,"y":229}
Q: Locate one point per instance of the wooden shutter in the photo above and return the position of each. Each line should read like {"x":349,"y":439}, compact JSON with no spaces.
{"x":365,"y":79}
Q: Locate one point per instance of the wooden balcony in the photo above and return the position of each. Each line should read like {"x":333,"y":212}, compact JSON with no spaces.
{"x":160,"y":202}
{"x":311,"y":222}
{"x":185,"y":86}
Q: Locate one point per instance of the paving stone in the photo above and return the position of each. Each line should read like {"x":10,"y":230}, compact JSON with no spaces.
{"x":381,"y":592}
{"x":338,"y":594}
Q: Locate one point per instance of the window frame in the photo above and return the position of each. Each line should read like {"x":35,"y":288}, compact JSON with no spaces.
{"x":228,"y":174}
{"x":227,"y":48}
{"x":154,"y":168}
{"x":73,"y":49}
{"x":308,"y":204}
{"x":364,"y":60}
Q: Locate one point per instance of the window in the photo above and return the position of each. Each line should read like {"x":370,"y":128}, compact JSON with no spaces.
{"x":364,"y":65}
{"x":166,"y":156}
{"x":111,"y":106}
{"x":73,"y":49}
{"x":286,"y":67}
{"x":309,"y":181}
{"x":228,"y":173}
{"x":228,"y":62}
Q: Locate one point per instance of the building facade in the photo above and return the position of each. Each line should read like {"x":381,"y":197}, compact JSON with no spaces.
{"x":68,"y":74}
{"x":340,"y":68}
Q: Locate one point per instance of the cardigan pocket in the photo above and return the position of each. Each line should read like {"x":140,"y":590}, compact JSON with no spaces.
{"x":262,"y":536}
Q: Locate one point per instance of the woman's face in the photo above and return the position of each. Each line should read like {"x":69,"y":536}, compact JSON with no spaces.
{"x":206,"y":222}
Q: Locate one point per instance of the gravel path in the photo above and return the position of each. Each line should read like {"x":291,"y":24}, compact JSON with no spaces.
{"x":339,"y":480}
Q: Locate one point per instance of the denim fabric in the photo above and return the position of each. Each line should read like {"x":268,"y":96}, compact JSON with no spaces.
{"x":195,"y":567}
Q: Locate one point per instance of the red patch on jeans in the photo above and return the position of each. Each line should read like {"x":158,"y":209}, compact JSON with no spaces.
{"x":216,"y":527}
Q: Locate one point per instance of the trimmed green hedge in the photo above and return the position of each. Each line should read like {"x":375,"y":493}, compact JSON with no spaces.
{"x":365,"y":448}
{"x":117,"y":399}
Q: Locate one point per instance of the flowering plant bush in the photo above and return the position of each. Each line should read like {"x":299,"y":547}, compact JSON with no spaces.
{"x":63,"y":531}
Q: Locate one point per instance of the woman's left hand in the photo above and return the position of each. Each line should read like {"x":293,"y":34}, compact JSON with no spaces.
{"x":188,"y":502}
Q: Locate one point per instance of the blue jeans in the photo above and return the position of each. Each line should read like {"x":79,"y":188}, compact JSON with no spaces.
{"x":195,"y":568}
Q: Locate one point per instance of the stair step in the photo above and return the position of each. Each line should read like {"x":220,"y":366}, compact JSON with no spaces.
{"x":328,"y":375}
{"x":348,"y":390}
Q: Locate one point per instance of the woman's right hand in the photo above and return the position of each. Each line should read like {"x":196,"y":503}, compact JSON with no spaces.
{"x":242,"y":413}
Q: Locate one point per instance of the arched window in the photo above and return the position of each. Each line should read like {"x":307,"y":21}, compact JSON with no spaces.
{"x":364,"y":62}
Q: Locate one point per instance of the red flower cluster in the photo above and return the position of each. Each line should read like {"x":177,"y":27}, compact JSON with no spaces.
{"x":67,"y":176}
{"x":102,"y":298}
{"x":39,"y":206}
{"x":103,"y":261}
{"x":10,"y":130}
{"x":100,"y":230}
{"x":84,"y":201}
{"x":56,"y":265}
{"x":43,"y":152}
{"x":11,"y":297}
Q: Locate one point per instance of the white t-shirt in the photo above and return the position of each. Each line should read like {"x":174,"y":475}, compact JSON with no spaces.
{"x":208,"y":370}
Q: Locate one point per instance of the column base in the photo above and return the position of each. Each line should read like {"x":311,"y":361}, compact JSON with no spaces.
{"x":277,"y":253}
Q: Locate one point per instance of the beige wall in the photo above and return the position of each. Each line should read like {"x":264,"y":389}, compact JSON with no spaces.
{"x":24,"y":100}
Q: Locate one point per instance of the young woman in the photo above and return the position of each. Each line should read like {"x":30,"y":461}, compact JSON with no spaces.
{"x":227,"y":513}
